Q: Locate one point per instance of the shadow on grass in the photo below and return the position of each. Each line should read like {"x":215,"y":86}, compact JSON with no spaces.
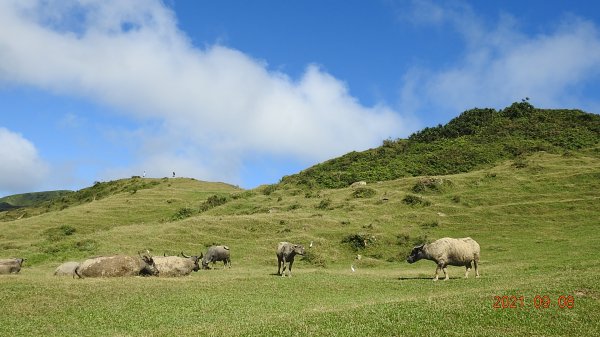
{"x":415,"y":278}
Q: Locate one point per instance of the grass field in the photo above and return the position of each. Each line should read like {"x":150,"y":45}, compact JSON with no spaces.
{"x":536,"y":220}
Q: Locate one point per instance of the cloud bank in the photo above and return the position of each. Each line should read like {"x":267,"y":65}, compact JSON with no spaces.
{"x":501,"y":65}
{"x":214,"y":105}
{"x":22,"y":168}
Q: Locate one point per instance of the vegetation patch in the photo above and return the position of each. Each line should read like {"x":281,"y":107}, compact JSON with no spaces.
{"x":87,"y":245}
{"x":182,"y":213}
{"x":431,"y":184}
{"x":314,"y":259}
{"x":430,"y":224}
{"x":415,"y":200}
{"x":477,"y":139}
{"x":359,"y":241}
{"x":59,"y":233}
{"x":212,"y":202}
{"x":269,"y":189}
{"x":364,"y":192}
{"x":324,"y":204}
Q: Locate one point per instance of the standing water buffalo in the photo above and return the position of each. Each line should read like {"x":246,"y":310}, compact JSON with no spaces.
{"x":214,"y":254}
{"x":448,"y":251}
{"x":11,"y":266}
{"x":118,"y":265}
{"x":285,"y":253}
{"x":172,"y":266}
{"x":66,"y":269}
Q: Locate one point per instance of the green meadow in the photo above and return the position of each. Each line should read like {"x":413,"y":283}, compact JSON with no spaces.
{"x":535,"y":217}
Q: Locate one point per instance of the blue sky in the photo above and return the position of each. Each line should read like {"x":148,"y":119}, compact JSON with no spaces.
{"x":246,"y":92}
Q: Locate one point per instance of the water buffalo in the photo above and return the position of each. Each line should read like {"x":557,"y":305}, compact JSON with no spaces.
{"x":448,"y":251}
{"x":118,"y":265}
{"x":11,"y":266}
{"x":172,"y":266}
{"x":214,"y":254}
{"x":66,"y":269}
{"x":285,"y":253}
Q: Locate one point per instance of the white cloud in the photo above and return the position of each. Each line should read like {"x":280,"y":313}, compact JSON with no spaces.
{"x":21,"y":166}
{"x":501,"y":64}
{"x":217,"y":101}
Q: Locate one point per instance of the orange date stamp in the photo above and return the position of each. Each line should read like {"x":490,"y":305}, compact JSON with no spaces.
{"x":538,"y":302}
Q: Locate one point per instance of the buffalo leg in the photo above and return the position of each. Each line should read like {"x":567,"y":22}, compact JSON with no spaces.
{"x":283,"y":270}
{"x":290,"y":268}
{"x":437,"y":271}
{"x":278,"y":266}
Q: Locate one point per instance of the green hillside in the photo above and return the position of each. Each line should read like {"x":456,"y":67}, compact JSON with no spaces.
{"x":60,"y":200}
{"x":477,"y":139}
{"x":29,"y":199}
{"x":534,"y":212}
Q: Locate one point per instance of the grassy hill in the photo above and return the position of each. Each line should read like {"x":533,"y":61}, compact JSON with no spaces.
{"x":29,"y":199}
{"x":535,"y":217}
{"x":523,"y":182}
{"x":477,"y":139}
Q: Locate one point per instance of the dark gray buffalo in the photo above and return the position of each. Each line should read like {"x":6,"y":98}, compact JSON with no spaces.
{"x":285,"y":253}
{"x":11,"y":266}
{"x":118,"y":265}
{"x":173,"y":266}
{"x":214,"y":254}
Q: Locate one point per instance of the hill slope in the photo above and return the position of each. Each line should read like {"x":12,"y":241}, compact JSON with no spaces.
{"x":476,"y":139}
{"x":535,"y":219}
{"x":29,"y":199}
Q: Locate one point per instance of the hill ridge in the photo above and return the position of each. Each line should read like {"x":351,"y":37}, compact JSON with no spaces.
{"x":476,"y":139}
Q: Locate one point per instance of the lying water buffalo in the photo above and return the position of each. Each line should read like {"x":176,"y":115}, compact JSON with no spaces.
{"x":448,"y":251}
{"x":173,"y":266}
{"x":214,"y":254}
{"x":11,"y":266}
{"x":285,"y":253}
{"x":66,"y":269}
{"x":118,"y":265}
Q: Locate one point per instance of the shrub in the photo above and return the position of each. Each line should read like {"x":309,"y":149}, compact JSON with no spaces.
{"x":324,"y":204}
{"x":269,"y":189}
{"x":293,"y":207}
{"x":431,"y":184}
{"x":363,"y":192}
{"x":212,"y":202}
{"x":359,"y":241}
{"x":430,"y":224}
{"x":415,"y":200}
{"x":182,"y":213}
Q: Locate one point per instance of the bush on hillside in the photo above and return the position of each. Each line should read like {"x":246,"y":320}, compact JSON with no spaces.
{"x":182,"y":213}
{"x":212,"y":202}
{"x":363,"y":192}
{"x":359,"y":241}
{"x":58,"y":233}
{"x":429,"y":184}
{"x":415,"y":200}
